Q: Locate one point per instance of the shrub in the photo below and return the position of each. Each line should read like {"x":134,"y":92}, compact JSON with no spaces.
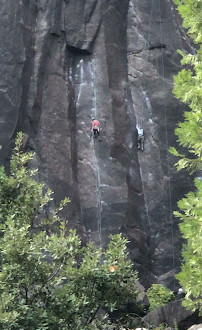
{"x":159,"y":295}
{"x":47,"y":279}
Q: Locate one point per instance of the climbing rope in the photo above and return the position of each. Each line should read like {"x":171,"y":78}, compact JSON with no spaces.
{"x":147,"y":42}
{"x":99,"y":199}
{"x":167,"y":146}
{"x":97,"y":170}
{"x":143,"y":87}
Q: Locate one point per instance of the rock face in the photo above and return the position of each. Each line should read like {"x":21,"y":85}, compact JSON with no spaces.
{"x":63,"y":63}
{"x":171,"y":314}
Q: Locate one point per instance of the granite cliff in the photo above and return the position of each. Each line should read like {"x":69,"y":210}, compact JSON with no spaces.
{"x":66,"y":61}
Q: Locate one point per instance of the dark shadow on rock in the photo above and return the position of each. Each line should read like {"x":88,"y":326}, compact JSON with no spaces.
{"x":78,"y":51}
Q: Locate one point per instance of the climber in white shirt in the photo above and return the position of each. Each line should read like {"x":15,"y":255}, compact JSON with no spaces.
{"x":140,"y":138}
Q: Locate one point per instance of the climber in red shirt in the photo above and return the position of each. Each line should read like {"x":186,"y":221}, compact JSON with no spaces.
{"x":96,"y":128}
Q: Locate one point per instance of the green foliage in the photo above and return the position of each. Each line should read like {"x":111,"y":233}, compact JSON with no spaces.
{"x":191,"y":229}
{"x":188,"y":88}
{"x":175,"y":325}
{"x":159,"y":295}
{"x":47,"y":279}
{"x":190,"y":10}
{"x":162,"y":326}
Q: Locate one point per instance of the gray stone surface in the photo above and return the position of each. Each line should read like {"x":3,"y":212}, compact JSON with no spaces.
{"x":63,"y":63}
{"x":12,"y":58}
{"x":171,"y":314}
{"x":142,"y":298}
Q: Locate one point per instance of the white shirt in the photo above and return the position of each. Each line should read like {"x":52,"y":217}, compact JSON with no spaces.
{"x":140,"y":131}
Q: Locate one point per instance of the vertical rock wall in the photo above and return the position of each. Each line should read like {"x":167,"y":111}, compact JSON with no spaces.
{"x":63,"y":64}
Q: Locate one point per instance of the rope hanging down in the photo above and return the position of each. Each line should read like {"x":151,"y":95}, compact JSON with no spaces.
{"x":147,"y":43}
{"x":96,"y":163}
{"x":167,"y":145}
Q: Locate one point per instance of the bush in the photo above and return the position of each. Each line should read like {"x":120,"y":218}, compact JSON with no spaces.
{"x":47,"y":279}
{"x":159,"y":295}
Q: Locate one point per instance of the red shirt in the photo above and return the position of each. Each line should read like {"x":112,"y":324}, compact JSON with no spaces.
{"x":96,"y":123}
